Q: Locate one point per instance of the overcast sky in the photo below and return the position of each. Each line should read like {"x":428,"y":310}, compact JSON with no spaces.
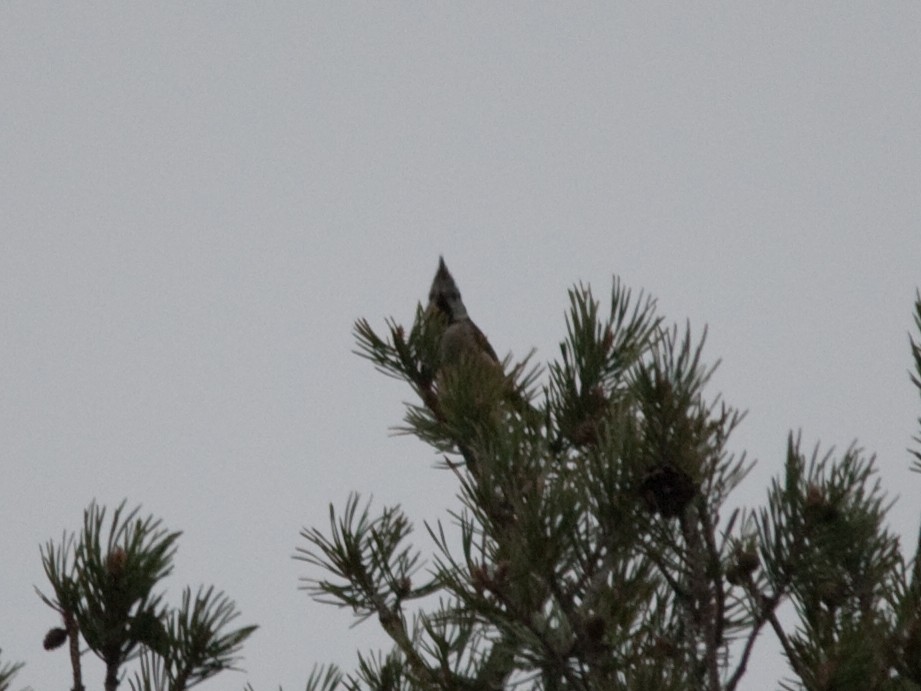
{"x":197,"y":200}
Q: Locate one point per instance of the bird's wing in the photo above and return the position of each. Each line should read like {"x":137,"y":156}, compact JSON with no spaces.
{"x":482,"y":342}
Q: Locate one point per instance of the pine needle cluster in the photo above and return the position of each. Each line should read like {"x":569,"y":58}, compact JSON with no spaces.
{"x":104,"y":584}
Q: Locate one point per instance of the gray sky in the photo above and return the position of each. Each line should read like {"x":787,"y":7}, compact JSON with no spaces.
{"x":198,"y":199}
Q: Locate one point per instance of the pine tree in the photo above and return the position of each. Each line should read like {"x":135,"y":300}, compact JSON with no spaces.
{"x":104,"y":582}
{"x":591,"y":547}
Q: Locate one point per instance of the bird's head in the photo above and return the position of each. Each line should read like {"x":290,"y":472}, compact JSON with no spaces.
{"x":444,"y":296}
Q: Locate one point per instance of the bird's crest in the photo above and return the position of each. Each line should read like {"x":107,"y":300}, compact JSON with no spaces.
{"x":444,"y":295}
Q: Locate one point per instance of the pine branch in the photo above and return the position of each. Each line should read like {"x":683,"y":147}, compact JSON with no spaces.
{"x":8,"y":671}
{"x":589,"y":556}
{"x":916,"y":376}
{"x":103,"y":583}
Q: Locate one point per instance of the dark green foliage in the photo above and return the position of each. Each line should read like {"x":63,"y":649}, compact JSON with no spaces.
{"x":590,"y":549}
{"x":103,"y":583}
{"x":916,"y":376}
{"x":195,"y":643}
{"x":8,"y":670}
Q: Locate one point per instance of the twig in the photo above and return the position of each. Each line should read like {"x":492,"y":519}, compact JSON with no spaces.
{"x":73,"y":637}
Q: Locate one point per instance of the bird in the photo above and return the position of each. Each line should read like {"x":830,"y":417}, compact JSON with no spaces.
{"x":462,"y":350}
{"x":461,"y":337}
{"x":471,"y":384}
